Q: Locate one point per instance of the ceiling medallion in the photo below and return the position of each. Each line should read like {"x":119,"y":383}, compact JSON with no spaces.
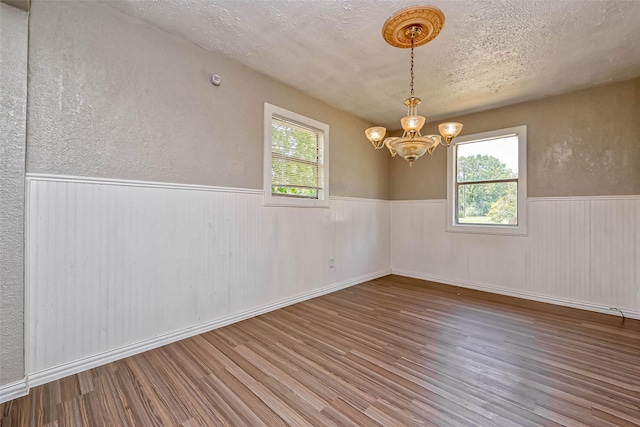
{"x":409,"y":28}
{"x":429,"y":19}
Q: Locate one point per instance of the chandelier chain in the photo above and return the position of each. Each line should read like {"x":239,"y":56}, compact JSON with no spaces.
{"x":412,"y":43}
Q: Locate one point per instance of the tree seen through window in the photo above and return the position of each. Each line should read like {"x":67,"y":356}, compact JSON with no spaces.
{"x":487,"y":189}
{"x":296,"y":157}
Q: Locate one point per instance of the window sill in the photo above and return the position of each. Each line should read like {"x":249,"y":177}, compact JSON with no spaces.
{"x":291,"y":202}
{"x":520,"y":231}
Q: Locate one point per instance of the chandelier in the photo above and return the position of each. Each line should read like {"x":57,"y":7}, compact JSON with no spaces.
{"x":410,"y":28}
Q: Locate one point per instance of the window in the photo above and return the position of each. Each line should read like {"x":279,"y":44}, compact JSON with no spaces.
{"x":296,"y":165}
{"x":487,"y":182}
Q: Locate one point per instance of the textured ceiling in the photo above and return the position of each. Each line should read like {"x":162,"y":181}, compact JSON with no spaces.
{"x":490,"y":53}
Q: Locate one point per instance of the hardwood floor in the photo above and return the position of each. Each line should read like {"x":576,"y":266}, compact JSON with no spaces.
{"x":392,"y":352}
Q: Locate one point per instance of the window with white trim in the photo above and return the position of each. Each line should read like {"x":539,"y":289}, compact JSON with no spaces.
{"x":296,"y":166}
{"x":487,"y":182}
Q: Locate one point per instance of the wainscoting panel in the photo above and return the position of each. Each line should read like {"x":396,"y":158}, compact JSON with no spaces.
{"x":359,"y":232}
{"x":116,"y":267}
{"x":638,"y":253}
{"x":613,"y":248}
{"x":559,"y":248}
{"x":488,"y":254}
{"x":579,"y":251}
{"x":419,"y":239}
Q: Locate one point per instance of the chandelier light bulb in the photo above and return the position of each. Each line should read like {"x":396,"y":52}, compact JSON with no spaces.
{"x":449,"y":131}
{"x":376,"y":135}
{"x":412,"y":123}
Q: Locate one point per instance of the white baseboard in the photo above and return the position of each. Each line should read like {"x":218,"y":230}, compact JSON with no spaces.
{"x":51,"y":374}
{"x":518,"y":294}
{"x":13,"y":390}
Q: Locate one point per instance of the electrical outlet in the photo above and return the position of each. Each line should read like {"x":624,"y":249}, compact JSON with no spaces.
{"x":330,"y":262}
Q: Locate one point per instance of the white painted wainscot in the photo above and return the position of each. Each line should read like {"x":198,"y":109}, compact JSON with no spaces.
{"x":581,"y":252}
{"x":115,"y":268}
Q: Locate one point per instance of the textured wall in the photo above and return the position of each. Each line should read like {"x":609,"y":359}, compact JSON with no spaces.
{"x":13,"y":96}
{"x":111,"y":96}
{"x":586,"y":143}
{"x":20,"y":4}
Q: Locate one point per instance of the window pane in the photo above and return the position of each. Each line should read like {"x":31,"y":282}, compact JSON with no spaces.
{"x":487,"y":160}
{"x":296,"y":152}
{"x":296,"y":170}
{"x":306,"y":193}
{"x":295,"y":141}
{"x":286,"y":172}
{"x":488,"y":203}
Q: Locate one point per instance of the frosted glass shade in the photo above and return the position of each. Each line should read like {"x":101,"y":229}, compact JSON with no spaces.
{"x":450,"y":129}
{"x":410,"y":148}
{"x":376,"y":135}
{"x":412,"y":123}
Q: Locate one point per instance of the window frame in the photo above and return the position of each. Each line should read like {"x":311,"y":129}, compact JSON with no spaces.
{"x":323,"y":168}
{"x":452,"y":184}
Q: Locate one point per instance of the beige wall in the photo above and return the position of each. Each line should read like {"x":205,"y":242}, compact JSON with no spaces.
{"x":586,"y":143}
{"x":113,"y":97}
{"x":13,"y":98}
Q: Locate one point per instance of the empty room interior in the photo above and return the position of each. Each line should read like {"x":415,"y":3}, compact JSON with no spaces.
{"x":319,"y":213}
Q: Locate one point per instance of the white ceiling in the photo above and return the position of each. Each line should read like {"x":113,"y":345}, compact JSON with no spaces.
{"x":490,"y":53}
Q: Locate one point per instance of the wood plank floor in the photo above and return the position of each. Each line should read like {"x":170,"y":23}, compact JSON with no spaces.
{"x":390,"y":352}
